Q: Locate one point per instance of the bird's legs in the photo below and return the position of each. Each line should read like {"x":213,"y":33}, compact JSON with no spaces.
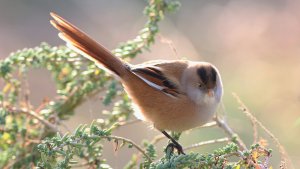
{"x":174,"y":143}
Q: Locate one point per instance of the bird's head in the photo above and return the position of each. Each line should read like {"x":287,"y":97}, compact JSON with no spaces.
{"x":202,"y":83}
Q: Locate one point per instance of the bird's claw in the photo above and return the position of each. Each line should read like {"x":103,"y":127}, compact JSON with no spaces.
{"x":178,"y":147}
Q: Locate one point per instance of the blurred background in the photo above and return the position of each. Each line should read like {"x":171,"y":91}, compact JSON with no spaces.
{"x":254,"y":43}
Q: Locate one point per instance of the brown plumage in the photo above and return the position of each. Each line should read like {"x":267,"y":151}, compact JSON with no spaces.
{"x":173,"y":95}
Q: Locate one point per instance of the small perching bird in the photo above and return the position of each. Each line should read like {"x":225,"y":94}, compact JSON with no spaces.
{"x":173,"y":95}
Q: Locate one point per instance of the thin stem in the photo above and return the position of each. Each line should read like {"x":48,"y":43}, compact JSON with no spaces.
{"x":40,"y":119}
{"x":125,"y":123}
{"x":246,"y":111}
{"x":81,"y":165}
{"x":126,"y":140}
{"x":250,"y":116}
{"x":170,"y":44}
{"x":158,"y":138}
{"x":207,"y":125}
{"x":222,"y":124}
{"x":221,"y":140}
{"x":130,"y":142}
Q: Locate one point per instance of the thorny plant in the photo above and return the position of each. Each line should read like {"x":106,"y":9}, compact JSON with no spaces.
{"x":31,"y":137}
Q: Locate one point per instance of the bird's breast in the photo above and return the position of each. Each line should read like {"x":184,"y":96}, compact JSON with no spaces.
{"x":165,"y":112}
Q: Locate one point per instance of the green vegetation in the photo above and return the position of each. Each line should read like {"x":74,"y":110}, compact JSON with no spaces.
{"x":30,"y":136}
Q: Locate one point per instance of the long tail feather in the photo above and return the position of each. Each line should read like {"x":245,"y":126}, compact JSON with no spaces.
{"x":86,"y":45}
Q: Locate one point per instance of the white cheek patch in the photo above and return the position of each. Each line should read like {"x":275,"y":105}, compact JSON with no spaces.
{"x":209,"y":100}
{"x":202,"y":98}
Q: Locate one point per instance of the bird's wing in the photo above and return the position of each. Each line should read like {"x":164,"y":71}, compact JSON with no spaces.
{"x":161,"y":77}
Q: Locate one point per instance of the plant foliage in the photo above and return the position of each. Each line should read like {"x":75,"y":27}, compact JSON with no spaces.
{"x":30,"y":136}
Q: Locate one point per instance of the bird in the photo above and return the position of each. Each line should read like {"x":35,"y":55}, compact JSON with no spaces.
{"x":173,"y":95}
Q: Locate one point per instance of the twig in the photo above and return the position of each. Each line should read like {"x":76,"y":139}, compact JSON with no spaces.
{"x":207,"y":125}
{"x":221,"y":140}
{"x":110,"y":138}
{"x":250,"y":116}
{"x":125,"y":123}
{"x":40,"y":119}
{"x":158,"y":138}
{"x":130,"y":142}
{"x":59,"y":122}
{"x":246,"y":111}
{"x":155,"y":140}
{"x":222,"y":124}
{"x":170,"y":43}
{"x":81,"y":165}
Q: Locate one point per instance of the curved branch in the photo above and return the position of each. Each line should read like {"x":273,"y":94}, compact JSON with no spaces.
{"x":222,"y":124}
{"x":254,"y":120}
{"x":36,"y":116}
{"x":221,"y":140}
{"x":130,"y":142}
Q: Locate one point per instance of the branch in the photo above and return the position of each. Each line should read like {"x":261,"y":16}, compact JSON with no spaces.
{"x":207,"y":125}
{"x":170,"y":44}
{"x":125,"y":123}
{"x":221,"y":140}
{"x":246,"y":111}
{"x":160,"y":137}
{"x":222,"y":124}
{"x":130,"y":142}
{"x":250,"y":116}
{"x":40,"y":119}
{"x":81,"y":165}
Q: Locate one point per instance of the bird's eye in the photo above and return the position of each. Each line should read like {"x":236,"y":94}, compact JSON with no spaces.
{"x":200,"y":85}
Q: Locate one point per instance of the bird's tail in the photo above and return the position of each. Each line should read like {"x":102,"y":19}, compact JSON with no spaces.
{"x":85,"y":45}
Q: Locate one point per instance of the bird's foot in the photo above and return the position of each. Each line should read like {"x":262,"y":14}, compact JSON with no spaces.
{"x":178,"y":147}
{"x":174,"y":143}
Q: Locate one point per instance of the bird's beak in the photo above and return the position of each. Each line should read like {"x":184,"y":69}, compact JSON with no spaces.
{"x":210,"y":93}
